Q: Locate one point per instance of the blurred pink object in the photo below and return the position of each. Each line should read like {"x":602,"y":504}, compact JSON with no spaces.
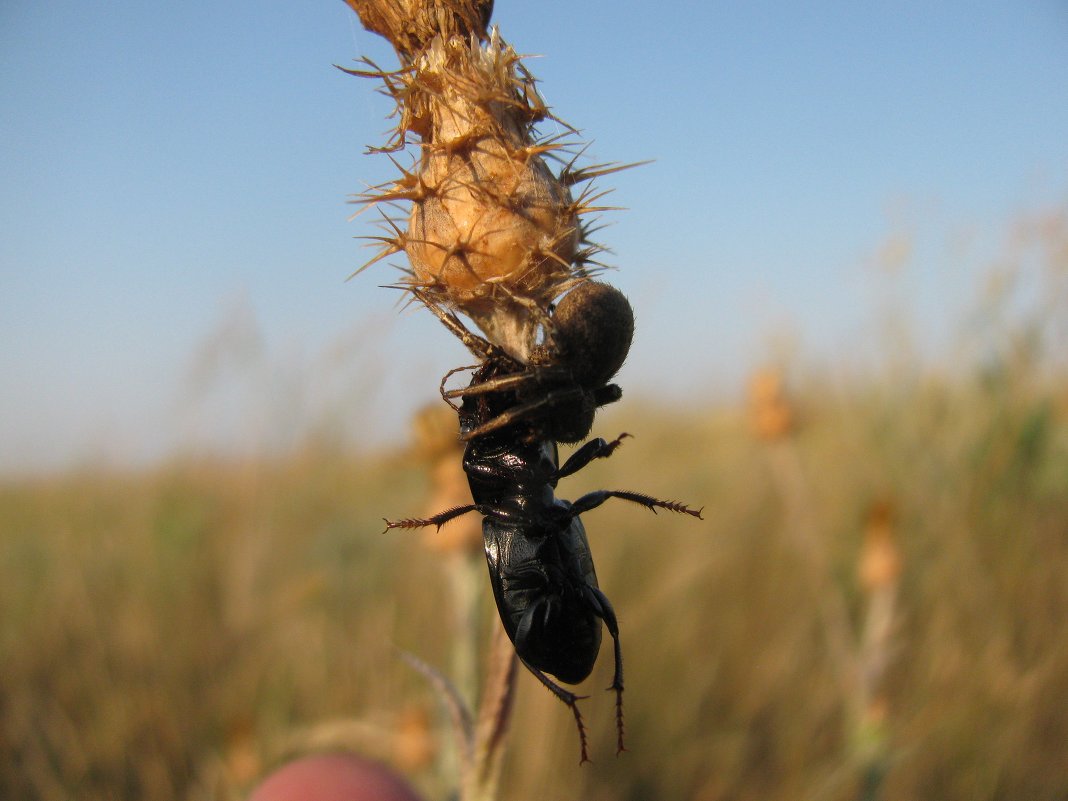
{"x":333,"y":777}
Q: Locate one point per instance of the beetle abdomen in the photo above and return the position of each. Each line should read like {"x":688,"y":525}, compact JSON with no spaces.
{"x":541,"y":586}
{"x":562,"y":640}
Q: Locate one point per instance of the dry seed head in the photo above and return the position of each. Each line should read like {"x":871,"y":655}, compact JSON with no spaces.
{"x":437,"y":444}
{"x":496,"y":232}
{"x":414,"y":744}
{"x":492,"y":231}
{"x":410,"y":24}
{"x":434,"y":434}
{"x":879,"y":565}
{"x":771,"y":415}
{"x":449,"y":489}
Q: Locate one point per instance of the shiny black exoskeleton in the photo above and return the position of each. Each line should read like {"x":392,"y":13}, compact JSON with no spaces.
{"x":538,"y":556}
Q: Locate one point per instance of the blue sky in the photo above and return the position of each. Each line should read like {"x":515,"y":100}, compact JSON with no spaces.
{"x":176,"y":239}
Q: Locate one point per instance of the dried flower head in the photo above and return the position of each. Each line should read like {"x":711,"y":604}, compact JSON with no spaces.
{"x":414,"y":743}
{"x":771,"y":415}
{"x":879,"y":565}
{"x":438,"y":446}
{"x":491,"y":229}
{"x":434,"y":433}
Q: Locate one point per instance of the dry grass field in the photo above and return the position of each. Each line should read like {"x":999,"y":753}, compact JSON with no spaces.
{"x":875,"y":605}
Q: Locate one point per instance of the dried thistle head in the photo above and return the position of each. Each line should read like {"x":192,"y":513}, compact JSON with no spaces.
{"x":879,"y":565}
{"x":449,"y":489}
{"x":438,"y":446}
{"x":491,"y":230}
{"x":410,"y":24}
{"x":434,"y":434}
{"x":771,"y":415}
{"x":414,"y":744}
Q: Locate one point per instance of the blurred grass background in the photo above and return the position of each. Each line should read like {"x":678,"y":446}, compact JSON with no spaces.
{"x":874,"y":606}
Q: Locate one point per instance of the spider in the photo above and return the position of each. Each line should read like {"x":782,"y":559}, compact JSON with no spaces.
{"x":567,"y":378}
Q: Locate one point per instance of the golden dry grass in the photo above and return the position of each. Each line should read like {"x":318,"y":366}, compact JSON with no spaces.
{"x":167,"y":635}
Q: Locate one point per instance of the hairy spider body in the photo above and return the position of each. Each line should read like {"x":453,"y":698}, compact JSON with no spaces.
{"x":587,"y":339}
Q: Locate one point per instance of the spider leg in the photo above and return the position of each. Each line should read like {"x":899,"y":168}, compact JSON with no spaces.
{"x":445,"y":395}
{"x":482,"y":348}
{"x":584,"y":403}
{"x":609,"y":393}
{"x":537,"y":312}
{"x":520,"y":411}
{"x":536,"y":377}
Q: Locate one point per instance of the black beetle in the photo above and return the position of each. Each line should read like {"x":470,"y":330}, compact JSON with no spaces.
{"x":539,"y":559}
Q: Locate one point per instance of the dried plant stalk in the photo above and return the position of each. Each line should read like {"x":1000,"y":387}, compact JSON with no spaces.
{"x":494,"y":716}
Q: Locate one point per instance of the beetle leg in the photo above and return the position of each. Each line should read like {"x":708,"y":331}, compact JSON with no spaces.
{"x":594,"y":449}
{"x":522,"y":631}
{"x":603,"y":608}
{"x":592,"y":500}
{"x":568,"y":698}
{"x":438,"y":520}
